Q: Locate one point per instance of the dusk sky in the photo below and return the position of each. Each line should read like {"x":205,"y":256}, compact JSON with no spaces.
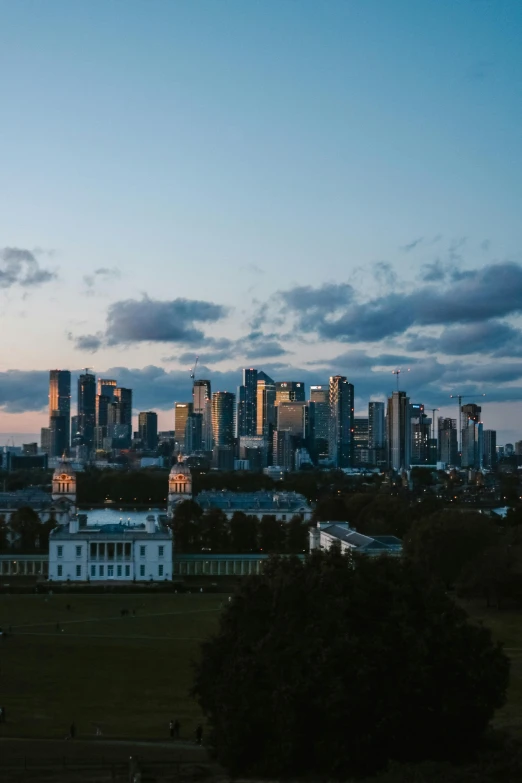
{"x":309,"y":188}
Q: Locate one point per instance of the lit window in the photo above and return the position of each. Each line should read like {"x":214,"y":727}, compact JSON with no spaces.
{"x":78,"y":551}
{"x":78,"y":571}
{"x":59,"y":551}
{"x":160,"y":570}
{"x":142,"y":551}
{"x":142,"y":570}
{"x":59,"y":570}
{"x":161,"y":549}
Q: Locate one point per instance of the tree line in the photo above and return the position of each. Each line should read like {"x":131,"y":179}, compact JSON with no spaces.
{"x":24,"y":531}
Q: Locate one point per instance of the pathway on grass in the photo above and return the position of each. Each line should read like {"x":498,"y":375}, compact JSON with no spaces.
{"x":127,"y":618}
{"x":172,"y":745}
{"x":56,"y":634}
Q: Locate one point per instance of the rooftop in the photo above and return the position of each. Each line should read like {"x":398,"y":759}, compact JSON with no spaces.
{"x":264,"y":500}
{"x":110,"y":532}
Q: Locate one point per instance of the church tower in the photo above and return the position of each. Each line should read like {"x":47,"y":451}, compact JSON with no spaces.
{"x":64,"y":483}
{"x":180,"y":484}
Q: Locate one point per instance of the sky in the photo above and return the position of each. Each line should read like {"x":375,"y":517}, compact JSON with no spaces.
{"x":307,"y":188}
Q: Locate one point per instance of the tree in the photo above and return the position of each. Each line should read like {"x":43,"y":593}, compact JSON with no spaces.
{"x":243,"y":533}
{"x":4,"y":534}
{"x":213,"y":533}
{"x":296,"y":536}
{"x":45,"y":531}
{"x":26,"y":528}
{"x":331,"y":670}
{"x":443,"y":544}
{"x":271,"y":535}
{"x":184,"y":525}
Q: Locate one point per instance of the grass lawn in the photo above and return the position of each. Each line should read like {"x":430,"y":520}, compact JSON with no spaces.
{"x":129,"y":675}
{"x":506,"y":626}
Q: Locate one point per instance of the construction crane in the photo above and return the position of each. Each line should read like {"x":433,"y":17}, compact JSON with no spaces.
{"x":459,"y":398}
{"x":193,"y":369}
{"x":397,"y":373}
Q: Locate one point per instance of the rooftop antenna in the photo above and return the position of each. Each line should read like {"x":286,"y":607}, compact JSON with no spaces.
{"x":397,"y":373}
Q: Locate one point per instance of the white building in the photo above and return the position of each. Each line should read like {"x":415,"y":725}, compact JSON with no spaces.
{"x":326,"y":534}
{"x":117,"y":553}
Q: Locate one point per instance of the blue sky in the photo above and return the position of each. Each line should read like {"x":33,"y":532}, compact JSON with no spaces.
{"x":242,"y":156}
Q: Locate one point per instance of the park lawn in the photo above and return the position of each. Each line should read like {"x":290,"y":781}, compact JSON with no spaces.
{"x":130,"y":675}
{"x":506,"y":626}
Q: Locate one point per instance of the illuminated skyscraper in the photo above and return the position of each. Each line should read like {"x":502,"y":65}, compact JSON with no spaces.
{"x":447,"y":442}
{"x":60,"y":405}
{"x":265,"y":409}
{"x":87,"y":408}
{"x":223,"y":404}
{"x":341,"y":422}
{"x":376,"y":426}
{"x":247,"y":404}
{"x":182,"y":410}
{"x":319,"y":420}
{"x":148,"y":429}
{"x":289,"y":391}
{"x":201,"y":396}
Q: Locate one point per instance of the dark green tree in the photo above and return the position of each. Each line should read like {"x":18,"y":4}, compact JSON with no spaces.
{"x":271,"y":535}
{"x":443,"y":544}
{"x":243,"y":533}
{"x":213,"y":531}
{"x":45,"y":531}
{"x":328,"y":670}
{"x":185,"y":527}
{"x":296,"y":534}
{"x":26,"y":528}
{"x":4,"y":534}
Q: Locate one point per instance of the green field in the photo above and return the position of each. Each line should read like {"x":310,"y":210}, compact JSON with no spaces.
{"x":129,"y":675}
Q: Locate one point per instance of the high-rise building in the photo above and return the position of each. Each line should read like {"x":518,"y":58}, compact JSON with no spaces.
{"x":223,"y":405}
{"x":202,"y":404}
{"x":471,"y":451}
{"x":87,"y":408}
{"x":60,"y":403}
{"x":289,"y":391}
{"x":319,"y":421}
{"x":247,"y":404}
{"x":58,"y":435}
{"x":265,"y":409}
{"x":448,"y":445}
{"x":194,"y":433}
{"x":104,"y":396}
{"x":148,"y":429}
{"x":420,"y":426}
{"x":376,"y":426}
{"x":45,"y":440}
{"x":399,"y":437}
{"x":283,"y":449}
{"x":341,"y":422}
{"x":182,"y":410}
{"x":360,"y":440}
{"x":122,"y":398}
{"x":518,"y":444}
{"x":292,"y":417}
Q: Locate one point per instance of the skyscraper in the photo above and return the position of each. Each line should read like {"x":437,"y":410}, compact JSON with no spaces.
{"x":341,"y":422}
{"x":182,"y":410}
{"x":202,"y":404}
{"x":292,"y":417}
{"x":223,"y":404}
{"x":247,"y":404}
{"x":319,"y":421}
{"x":448,"y":445}
{"x":360,"y":440}
{"x":420,"y":426}
{"x":399,"y":437}
{"x":87,"y":408}
{"x":148,"y":429}
{"x":376,"y":426}
{"x":289,"y":391}
{"x":265,"y":409}
{"x":60,"y":405}
{"x":471,"y":448}
{"x":104,"y":396}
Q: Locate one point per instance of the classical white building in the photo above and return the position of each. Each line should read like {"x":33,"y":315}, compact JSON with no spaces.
{"x":326,"y":534}
{"x":60,"y":505}
{"x":110,"y":552}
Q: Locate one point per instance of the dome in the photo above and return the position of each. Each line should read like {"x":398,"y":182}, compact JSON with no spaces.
{"x":64,"y":467}
{"x":179,"y":467}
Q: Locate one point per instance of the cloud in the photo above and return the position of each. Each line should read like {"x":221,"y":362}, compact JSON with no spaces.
{"x":495,"y":291}
{"x":255,"y":345}
{"x":103,"y":274}
{"x":411,"y":245}
{"x":19,"y":266}
{"x":88,"y":342}
{"x":385,"y":274}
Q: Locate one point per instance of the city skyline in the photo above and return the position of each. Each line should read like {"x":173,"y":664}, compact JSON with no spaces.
{"x":344,"y":212}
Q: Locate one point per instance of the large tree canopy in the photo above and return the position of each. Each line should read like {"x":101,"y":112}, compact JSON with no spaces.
{"x":323,"y":668}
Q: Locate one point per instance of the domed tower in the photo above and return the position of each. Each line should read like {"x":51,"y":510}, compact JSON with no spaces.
{"x":64,"y":483}
{"x":180,"y":484}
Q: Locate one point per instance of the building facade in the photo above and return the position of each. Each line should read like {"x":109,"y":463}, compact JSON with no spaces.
{"x":327,"y":534}
{"x":87,"y":408}
{"x":399,"y":432}
{"x":223,"y":414}
{"x":59,"y":408}
{"x":148,"y":429}
{"x":341,"y":396}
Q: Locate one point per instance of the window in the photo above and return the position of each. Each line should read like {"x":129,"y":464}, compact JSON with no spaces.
{"x":127,"y":551}
{"x":142,"y":570}
{"x":93,"y":570}
{"x":110,"y":551}
{"x":59,"y":551}
{"x":93,"y":551}
{"x":78,"y":571}
{"x":102,"y":570}
{"x":59,"y":570}
{"x":118,"y":570}
{"x":110,"y":572}
{"x":119,"y":551}
{"x":161,"y":549}
{"x":101,"y":550}
{"x":127,"y":570}
{"x":78,"y":551}
{"x":283,"y":517}
{"x":142,"y":551}
{"x":160,"y":570}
